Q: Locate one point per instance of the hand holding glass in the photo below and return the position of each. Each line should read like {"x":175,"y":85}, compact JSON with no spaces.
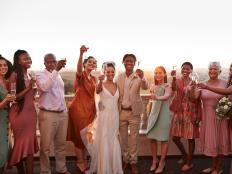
{"x":173,"y":73}
{"x":13,"y":89}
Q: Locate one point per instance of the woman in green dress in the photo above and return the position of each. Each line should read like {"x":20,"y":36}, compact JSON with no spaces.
{"x":5,"y":71}
{"x":159,"y":121}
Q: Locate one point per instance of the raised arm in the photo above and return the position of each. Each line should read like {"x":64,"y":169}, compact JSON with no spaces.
{"x":83,"y":49}
{"x":223,"y":91}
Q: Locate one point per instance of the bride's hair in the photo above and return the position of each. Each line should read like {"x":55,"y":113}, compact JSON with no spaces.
{"x":108,"y":64}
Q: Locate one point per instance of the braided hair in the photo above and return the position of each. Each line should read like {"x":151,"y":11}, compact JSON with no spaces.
{"x":18,"y":69}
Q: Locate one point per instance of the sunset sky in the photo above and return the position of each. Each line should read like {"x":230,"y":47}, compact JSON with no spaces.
{"x":158,"y":32}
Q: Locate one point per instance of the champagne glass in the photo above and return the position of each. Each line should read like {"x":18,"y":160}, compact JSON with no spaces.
{"x":64,"y":59}
{"x":96,"y":72}
{"x":174,"y":71}
{"x":13,"y":90}
{"x":152,"y":88}
{"x":194,"y":77}
{"x":32,"y":75}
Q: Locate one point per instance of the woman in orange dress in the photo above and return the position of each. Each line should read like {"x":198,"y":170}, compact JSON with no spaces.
{"x":82,"y":110}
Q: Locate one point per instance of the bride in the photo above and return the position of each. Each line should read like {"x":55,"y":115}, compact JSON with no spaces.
{"x":103,"y":146}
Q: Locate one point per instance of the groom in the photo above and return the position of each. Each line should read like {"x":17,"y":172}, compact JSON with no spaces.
{"x":130,"y":108}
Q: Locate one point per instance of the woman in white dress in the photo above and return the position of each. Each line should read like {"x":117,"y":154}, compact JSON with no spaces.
{"x":105,"y":149}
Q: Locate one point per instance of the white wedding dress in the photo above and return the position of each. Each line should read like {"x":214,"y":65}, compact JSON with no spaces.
{"x":105,"y":149}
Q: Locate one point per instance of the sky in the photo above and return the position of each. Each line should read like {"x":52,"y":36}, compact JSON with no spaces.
{"x":158,"y":32}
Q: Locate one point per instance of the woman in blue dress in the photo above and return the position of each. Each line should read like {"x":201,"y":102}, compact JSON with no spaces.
{"x":159,"y":120}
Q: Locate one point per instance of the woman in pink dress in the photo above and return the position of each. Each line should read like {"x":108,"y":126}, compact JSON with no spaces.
{"x":186,"y":115}
{"x":214,"y":135}
{"x":23,"y":115}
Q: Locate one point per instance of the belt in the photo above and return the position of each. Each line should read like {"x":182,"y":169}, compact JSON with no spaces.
{"x":43,"y":109}
{"x":126,"y":109}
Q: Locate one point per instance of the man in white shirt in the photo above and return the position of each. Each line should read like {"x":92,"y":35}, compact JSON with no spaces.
{"x":53,"y":118}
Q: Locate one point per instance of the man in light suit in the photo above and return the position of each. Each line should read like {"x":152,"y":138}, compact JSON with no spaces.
{"x":130,"y":108}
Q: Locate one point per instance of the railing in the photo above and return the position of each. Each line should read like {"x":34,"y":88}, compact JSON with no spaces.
{"x":144,"y":116}
{"x":144,"y":142}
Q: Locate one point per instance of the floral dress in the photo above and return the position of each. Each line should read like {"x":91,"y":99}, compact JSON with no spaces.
{"x":182,"y":122}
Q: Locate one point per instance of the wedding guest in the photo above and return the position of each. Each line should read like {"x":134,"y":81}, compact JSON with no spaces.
{"x":105,"y":149}
{"x":130,"y":108}
{"x":82,"y":110}
{"x":159,"y":120}
{"x":186,"y":115}
{"x":52,"y":117}
{"x":23,"y":115}
{"x":223,"y":91}
{"x":5,"y":99}
{"x":214,"y":134}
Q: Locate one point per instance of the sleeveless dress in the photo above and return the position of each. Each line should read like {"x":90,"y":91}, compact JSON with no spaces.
{"x":159,"y":121}
{"x":23,"y":125}
{"x":105,"y":149}
{"x":4,"y":147}
{"x":214,"y":136}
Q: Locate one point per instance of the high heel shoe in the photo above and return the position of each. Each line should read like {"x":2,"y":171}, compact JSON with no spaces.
{"x":186,"y":167}
{"x":82,"y":167}
{"x":160,"y":168}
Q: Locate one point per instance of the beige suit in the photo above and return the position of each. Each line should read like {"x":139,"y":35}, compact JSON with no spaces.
{"x":130,"y":118}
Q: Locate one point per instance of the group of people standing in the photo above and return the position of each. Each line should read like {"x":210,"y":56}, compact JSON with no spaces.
{"x":104,"y":115}
{"x":191,"y":114}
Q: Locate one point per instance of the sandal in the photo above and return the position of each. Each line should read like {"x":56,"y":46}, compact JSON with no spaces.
{"x":186,"y":167}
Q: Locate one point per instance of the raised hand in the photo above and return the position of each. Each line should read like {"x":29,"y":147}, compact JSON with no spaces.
{"x":101,"y":77}
{"x":140,"y":73}
{"x":60,"y":64}
{"x":83,"y":49}
{"x":173,"y":73}
{"x":202,"y":86}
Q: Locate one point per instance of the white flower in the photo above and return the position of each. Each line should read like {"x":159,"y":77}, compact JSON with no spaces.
{"x":224,"y":99}
{"x":226,"y":107}
{"x":229,"y":103}
{"x":216,"y":110}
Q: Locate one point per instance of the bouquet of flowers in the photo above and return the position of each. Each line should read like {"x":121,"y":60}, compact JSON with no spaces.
{"x":224,"y":108}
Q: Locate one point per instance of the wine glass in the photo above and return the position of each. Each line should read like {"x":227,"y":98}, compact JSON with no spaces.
{"x":194,"y":77}
{"x":13,"y":90}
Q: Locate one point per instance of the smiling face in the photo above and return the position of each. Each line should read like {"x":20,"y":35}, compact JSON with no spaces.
{"x":159,"y":75}
{"x":129,"y":63}
{"x":214,"y":72}
{"x":25,"y":60}
{"x":186,"y":70}
{"x":50,"y":62}
{"x":109,"y":73}
{"x":3,"y":67}
{"x":91,"y":64}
